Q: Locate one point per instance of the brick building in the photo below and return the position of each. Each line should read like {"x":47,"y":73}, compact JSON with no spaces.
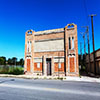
{"x":97,"y":59}
{"x":52,"y":52}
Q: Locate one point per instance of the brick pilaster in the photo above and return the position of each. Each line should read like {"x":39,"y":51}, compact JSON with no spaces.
{"x":52,"y":65}
{"x":44,"y":66}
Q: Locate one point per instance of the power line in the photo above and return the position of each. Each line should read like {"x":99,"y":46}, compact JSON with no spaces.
{"x":86,"y":11}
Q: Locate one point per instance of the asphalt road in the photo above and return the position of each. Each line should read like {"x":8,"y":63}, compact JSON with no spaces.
{"x":30,"y":89}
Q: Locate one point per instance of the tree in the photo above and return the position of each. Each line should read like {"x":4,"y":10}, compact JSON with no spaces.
{"x":2,"y":60}
{"x":14,"y":60}
{"x":9,"y":61}
{"x":21,"y":62}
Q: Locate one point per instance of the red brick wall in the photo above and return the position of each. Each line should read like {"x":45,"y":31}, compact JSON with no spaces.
{"x":56,"y":69}
{"x":28,"y":65}
{"x":37,"y":69}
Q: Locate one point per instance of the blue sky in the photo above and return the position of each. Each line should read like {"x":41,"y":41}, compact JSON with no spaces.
{"x":17,"y":16}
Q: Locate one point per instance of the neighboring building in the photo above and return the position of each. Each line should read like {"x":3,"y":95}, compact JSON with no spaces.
{"x":52,"y":52}
{"x":97,"y":57}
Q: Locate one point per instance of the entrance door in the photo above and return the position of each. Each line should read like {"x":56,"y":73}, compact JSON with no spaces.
{"x":48,"y":63}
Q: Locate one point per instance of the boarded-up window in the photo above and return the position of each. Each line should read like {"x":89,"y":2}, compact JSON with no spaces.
{"x":28,"y":65}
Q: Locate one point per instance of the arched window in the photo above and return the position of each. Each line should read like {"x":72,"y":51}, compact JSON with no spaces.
{"x":28,"y":46}
{"x":71,"y":26}
{"x":69,"y":43}
{"x":30,"y":32}
{"x":72,"y":42}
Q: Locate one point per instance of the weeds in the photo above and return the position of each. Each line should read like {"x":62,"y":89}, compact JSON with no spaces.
{"x":12,"y":70}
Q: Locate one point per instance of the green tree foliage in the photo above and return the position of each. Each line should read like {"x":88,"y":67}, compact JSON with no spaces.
{"x":2,"y":60}
{"x":11,"y":61}
{"x":21,"y":62}
{"x":14,"y":60}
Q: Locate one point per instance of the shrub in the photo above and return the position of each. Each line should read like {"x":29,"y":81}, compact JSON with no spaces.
{"x":12,"y":70}
{"x":4,"y":70}
{"x":16,"y":70}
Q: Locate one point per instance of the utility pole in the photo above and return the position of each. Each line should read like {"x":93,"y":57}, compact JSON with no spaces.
{"x":81,"y":55}
{"x":85,"y":51}
{"x":87,"y":32}
{"x":81,"y":49}
{"x":93,"y":43}
{"x":84,"y":44}
{"x":83,"y":34}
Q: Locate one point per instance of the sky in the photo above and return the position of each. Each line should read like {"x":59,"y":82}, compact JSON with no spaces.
{"x":18,"y":16}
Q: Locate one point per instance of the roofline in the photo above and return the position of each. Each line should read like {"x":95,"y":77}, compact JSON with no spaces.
{"x":50,"y":31}
{"x":96,"y":51}
{"x":59,"y":30}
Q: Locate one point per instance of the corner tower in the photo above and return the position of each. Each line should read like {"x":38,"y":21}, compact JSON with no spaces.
{"x":29,"y":52}
{"x":71,"y":50}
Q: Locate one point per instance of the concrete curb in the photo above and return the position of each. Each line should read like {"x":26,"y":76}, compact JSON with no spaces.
{"x":31,"y":76}
{"x":82,"y":79}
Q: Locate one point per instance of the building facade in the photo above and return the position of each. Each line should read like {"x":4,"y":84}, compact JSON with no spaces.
{"x":52,"y":52}
{"x":97,"y":59}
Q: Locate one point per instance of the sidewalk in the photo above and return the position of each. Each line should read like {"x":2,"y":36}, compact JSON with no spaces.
{"x":67,"y":78}
{"x":84,"y":79}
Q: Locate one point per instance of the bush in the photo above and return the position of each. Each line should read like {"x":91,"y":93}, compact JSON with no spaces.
{"x":4,"y":70}
{"x":12,"y":70}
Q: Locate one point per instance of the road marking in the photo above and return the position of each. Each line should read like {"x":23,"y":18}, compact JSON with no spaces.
{"x":78,"y":92}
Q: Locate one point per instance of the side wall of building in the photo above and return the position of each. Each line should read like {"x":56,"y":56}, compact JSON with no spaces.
{"x":97,"y":57}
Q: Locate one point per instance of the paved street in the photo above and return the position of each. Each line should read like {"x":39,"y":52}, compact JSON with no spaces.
{"x":30,"y":89}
